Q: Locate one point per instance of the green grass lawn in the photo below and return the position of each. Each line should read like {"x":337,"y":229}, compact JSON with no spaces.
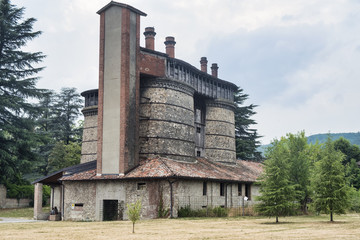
{"x":20,"y":212}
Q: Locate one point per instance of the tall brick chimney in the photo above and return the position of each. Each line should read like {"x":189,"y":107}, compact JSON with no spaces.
{"x":119,"y":89}
{"x":150,"y":38}
{"x":203,"y":63}
{"x":170,"y":46}
{"x":214,"y":70}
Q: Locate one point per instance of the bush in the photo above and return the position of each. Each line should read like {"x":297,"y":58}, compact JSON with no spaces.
{"x":203,"y":212}
{"x":26,"y":191}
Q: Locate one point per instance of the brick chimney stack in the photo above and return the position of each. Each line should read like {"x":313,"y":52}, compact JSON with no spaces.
{"x":214,"y":70}
{"x":203,"y":62}
{"x":170,"y":46}
{"x":150,"y":38}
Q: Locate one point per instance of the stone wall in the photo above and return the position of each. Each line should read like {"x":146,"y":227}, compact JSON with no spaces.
{"x":89,"y":139}
{"x":12,"y":202}
{"x":79,"y":201}
{"x":220,"y":131}
{"x":167,"y":120}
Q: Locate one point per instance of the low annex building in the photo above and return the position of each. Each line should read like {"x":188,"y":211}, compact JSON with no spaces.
{"x":157,"y":129}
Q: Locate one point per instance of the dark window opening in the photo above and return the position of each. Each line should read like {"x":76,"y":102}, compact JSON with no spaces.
{"x":204,"y":188}
{"x":248,"y":190}
{"x":222,"y":189}
{"x":198,"y":153}
{"x":239,"y":189}
{"x":141,"y":186}
{"x":198,"y":130}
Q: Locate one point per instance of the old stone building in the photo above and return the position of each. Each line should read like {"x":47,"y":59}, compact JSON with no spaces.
{"x":157,"y":129}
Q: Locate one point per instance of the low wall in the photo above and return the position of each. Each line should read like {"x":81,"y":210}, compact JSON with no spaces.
{"x":12,"y":202}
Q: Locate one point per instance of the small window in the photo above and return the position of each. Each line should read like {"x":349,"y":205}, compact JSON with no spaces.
{"x":239,"y":189}
{"x":198,"y":153}
{"x":198,"y":130}
{"x":204,"y":188}
{"x":222,"y":189}
{"x":141,"y":186}
{"x":78,"y":206}
{"x":248,"y":191}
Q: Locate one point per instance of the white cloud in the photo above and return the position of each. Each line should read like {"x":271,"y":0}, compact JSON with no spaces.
{"x":297,"y":59}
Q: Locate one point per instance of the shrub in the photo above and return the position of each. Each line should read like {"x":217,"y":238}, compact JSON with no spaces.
{"x":203,"y":212}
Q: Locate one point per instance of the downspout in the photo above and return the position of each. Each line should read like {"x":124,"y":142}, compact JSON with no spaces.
{"x":63,"y":204}
{"x":52,"y":197}
{"x":171,"y":197}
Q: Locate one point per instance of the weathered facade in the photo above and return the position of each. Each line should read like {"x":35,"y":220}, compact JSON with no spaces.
{"x":157,"y":129}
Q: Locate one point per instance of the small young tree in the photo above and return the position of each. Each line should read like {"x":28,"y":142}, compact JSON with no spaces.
{"x":277,"y":193}
{"x":328,"y":182}
{"x":133,"y":212}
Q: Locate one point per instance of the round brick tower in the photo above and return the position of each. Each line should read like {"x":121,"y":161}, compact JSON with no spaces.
{"x":220,"y":131}
{"x":89,"y":140}
{"x":167,"y":119}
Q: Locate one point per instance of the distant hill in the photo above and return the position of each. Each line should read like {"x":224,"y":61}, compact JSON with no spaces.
{"x":354,"y":138}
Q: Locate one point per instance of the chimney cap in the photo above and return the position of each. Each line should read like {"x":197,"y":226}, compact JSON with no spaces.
{"x":149,"y":31}
{"x":170,"y":40}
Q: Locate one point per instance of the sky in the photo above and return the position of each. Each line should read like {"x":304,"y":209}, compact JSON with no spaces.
{"x":298,"y":60}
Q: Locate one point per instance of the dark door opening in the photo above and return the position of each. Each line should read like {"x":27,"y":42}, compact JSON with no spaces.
{"x":111,"y":210}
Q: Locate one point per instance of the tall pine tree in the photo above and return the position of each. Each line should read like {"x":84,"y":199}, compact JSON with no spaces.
{"x":17,"y":86}
{"x":245,"y":137}
{"x":328,"y":182}
{"x":278,"y":194}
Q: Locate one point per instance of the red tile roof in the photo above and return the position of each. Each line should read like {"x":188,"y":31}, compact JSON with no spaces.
{"x":242,"y":171}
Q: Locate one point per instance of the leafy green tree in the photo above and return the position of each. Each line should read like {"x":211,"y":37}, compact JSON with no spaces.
{"x":133,"y":212}
{"x":328,"y":182}
{"x":351,"y":151}
{"x":278,"y":194}
{"x":63,"y":156}
{"x":352,"y":174}
{"x":246,"y":138}
{"x":299,"y":166}
{"x":17,"y":86}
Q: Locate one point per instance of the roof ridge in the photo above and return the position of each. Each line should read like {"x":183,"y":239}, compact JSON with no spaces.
{"x":162,"y":160}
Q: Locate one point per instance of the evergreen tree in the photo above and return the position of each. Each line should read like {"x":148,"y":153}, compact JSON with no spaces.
{"x":278,"y":194}
{"x":351,"y":151}
{"x":63,"y":156}
{"x":66,"y":111}
{"x":245,"y":137}
{"x":328,"y":182}
{"x":17,"y":86}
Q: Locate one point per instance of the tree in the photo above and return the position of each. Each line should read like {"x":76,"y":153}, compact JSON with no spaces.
{"x":245,"y":137}
{"x":299,"y":166}
{"x":278,"y":194}
{"x":351,"y":151}
{"x":63,"y":156}
{"x":328,"y":182}
{"x":133,"y":212}
{"x":17,"y":86}
{"x":66,"y":111}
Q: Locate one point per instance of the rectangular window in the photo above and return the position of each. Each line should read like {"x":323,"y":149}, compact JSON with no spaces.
{"x":248,"y":190}
{"x":78,"y":206}
{"x":198,"y":153}
{"x":198,"y":130}
{"x":239,"y":189}
{"x":204,"y":188}
{"x":222,"y":189}
{"x":141,"y":186}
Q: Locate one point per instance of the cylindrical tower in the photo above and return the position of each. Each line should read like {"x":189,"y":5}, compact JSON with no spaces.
{"x":167,"y":119}
{"x":220,"y":131}
{"x":89,"y":140}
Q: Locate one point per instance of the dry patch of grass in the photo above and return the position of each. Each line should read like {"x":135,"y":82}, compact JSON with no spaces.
{"x":304,"y":227}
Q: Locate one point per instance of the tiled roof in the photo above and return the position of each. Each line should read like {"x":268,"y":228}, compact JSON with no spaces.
{"x":242,"y":171}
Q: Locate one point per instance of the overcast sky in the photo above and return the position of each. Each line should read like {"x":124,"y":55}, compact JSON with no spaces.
{"x":298,"y":60}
